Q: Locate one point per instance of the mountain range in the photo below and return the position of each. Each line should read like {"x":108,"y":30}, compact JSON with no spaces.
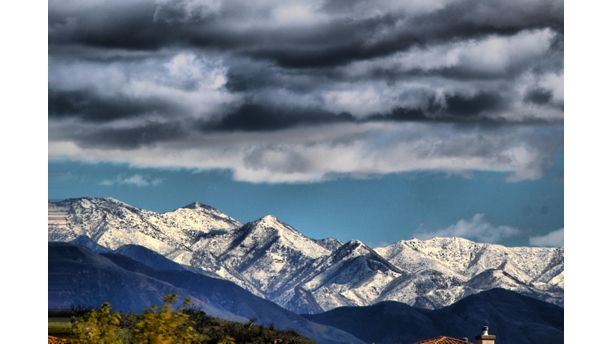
{"x":275,"y":261}
{"x":133,"y":278}
{"x":515,"y":318}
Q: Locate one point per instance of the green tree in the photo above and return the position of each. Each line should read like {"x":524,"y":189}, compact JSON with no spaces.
{"x":98,"y":326}
{"x":165,"y":325}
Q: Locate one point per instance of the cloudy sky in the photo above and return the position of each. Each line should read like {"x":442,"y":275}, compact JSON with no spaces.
{"x":376,"y":120}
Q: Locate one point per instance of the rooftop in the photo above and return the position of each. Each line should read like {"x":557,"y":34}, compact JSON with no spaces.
{"x":442,"y":340}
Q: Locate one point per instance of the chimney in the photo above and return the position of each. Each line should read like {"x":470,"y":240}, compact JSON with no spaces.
{"x":485,"y":337}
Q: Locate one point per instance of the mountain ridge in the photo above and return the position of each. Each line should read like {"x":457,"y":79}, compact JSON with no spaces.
{"x":274,"y":260}
{"x":512,"y":317}
{"x":80,"y":277}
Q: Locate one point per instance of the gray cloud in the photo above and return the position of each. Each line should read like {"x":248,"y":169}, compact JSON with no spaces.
{"x":293,"y":34}
{"x":95,"y":107}
{"x":319,"y":153}
{"x":426,"y":83}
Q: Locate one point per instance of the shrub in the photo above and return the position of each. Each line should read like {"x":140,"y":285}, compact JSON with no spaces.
{"x":165,"y":325}
{"x":98,"y":326}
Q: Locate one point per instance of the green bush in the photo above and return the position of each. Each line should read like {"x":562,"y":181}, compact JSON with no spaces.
{"x":99,"y":326}
{"x":165,"y":325}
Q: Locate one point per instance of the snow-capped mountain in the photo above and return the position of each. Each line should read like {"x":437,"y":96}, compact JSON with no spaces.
{"x":443,"y":270}
{"x":112,"y":223}
{"x":274,"y":260}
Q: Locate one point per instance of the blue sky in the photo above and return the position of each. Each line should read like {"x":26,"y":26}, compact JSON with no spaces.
{"x":376,"y":210}
{"x":360,"y":120}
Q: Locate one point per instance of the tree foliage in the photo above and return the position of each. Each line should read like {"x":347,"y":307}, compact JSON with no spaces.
{"x":99,"y":326}
{"x":218,"y":331}
{"x":165,"y":325}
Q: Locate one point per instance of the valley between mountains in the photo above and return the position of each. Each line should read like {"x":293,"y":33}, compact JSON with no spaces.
{"x":275,"y":261}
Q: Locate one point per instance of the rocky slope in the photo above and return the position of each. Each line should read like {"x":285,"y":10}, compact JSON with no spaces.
{"x":273,"y":260}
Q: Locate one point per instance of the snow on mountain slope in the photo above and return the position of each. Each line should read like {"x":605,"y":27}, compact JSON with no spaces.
{"x":112,"y":223}
{"x":444,"y":270}
{"x":353,"y":275}
{"x":466,"y":258}
{"x":262,"y":256}
{"x":427,"y":288}
{"x":273,"y":260}
{"x":331,"y":244}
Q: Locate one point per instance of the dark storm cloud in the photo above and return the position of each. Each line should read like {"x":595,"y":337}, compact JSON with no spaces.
{"x":94,"y":107}
{"x":538,"y":96}
{"x":345,"y":35}
{"x":454,"y":108}
{"x":194,"y":79}
{"x":473,"y":106}
{"x":344,"y":42}
{"x":258,"y":117}
{"x":145,"y":134}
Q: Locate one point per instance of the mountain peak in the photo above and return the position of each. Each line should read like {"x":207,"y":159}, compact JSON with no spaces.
{"x":269,"y":228}
{"x":269,"y":221}
{"x":355,"y":243}
{"x":197,"y":205}
{"x":113,"y":200}
{"x":88,"y":201}
{"x":355,"y":246}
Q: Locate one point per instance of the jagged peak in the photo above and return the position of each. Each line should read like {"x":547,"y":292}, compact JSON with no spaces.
{"x":270,"y":227}
{"x":353,"y":245}
{"x":270,"y":218}
{"x":113,"y":199}
{"x":356,"y":248}
{"x":197,"y":205}
{"x":96,"y":201}
{"x":269,"y":221}
{"x":199,"y":209}
{"x":272,"y":222}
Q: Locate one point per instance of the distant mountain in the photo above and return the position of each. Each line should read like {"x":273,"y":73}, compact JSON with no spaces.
{"x":112,"y":223}
{"x":273,"y":260}
{"x":513,"y":318}
{"x":79,"y":276}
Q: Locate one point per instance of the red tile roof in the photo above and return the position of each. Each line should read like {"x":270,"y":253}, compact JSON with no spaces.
{"x":442,"y":340}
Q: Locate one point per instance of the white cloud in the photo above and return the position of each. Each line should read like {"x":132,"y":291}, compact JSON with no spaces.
{"x":477,"y":228}
{"x":137,"y":180}
{"x":493,"y":54}
{"x":554,"y":239}
{"x":318,"y":153}
{"x":193,"y":84}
